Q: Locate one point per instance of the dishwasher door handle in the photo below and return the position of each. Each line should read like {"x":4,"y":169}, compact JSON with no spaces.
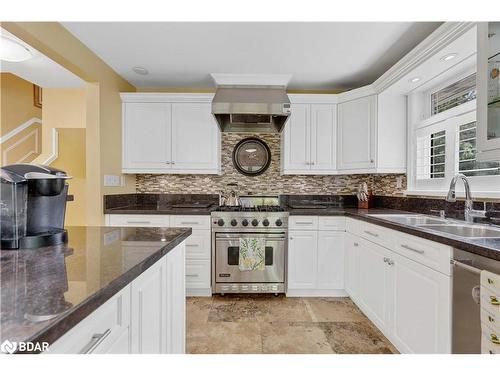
{"x":464,"y":266}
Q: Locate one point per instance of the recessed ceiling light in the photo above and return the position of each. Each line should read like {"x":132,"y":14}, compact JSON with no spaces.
{"x":12,"y":50}
{"x":449,"y":57}
{"x":140,"y":70}
{"x":415,"y":79}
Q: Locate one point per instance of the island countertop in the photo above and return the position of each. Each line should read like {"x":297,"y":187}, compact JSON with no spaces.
{"x":47,"y":291}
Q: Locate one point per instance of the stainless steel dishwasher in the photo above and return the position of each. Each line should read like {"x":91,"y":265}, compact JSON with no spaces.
{"x":466,"y":321}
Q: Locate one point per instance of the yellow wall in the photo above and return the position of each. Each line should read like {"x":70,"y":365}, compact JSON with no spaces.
{"x":16,"y":108}
{"x":103,"y":113}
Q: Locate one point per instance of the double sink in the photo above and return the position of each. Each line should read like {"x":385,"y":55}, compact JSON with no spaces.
{"x":453,"y":227}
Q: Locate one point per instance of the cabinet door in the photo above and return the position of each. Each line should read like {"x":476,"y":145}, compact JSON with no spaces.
{"x":146,"y":136}
{"x":195,"y":138}
{"x":374,"y":282}
{"x":352,"y":265}
{"x":302,"y":259}
{"x":176,"y":301}
{"x":421,"y":308}
{"x":149,"y":317}
{"x":323,"y":137}
{"x":330,"y":260}
{"x":356,"y":133}
{"x":297,"y":139}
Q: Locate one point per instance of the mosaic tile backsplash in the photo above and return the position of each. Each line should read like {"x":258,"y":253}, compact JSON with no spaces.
{"x":270,"y":182}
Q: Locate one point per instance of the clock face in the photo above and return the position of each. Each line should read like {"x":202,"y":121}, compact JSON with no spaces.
{"x":251,"y":156}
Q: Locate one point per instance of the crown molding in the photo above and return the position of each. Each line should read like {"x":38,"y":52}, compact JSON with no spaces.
{"x":162,"y":97}
{"x":440,"y":38}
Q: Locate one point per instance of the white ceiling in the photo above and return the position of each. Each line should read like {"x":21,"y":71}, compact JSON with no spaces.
{"x":40,"y":70}
{"x":333,"y":55}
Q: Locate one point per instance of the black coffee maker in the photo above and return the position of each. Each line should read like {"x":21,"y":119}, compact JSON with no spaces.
{"x":33,"y":206}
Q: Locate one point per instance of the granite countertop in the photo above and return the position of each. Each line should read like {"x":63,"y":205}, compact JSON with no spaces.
{"x":487,"y":247}
{"x":161,"y":210}
{"x":45,"y":292}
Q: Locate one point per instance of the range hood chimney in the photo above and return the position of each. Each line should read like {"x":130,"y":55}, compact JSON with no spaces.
{"x":251,"y":109}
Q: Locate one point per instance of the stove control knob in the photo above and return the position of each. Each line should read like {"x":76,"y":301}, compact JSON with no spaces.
{"x":234,"y":222}
{"x":279,"y":223}
{"x":265,"y":222}
{"x":244,"y":222}
{"x":220,"y":222}
{"x":255,"y":222}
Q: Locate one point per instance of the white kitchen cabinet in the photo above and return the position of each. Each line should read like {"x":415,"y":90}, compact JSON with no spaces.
{"x":420,"y":308}
{"x":147,"y":130}
{"x":316,"y":256}
{"x":106,"y":330}
{"x":149,"y":310}
{"x":195,"y":137}
{"x":169,"y":133}
{"x":330,"y":260}
{"x":374,"y":282}
{"x":176,"y":301}
{"x":309,"y":140}
{"x":302,"y":259}
{"x":357,"y":121}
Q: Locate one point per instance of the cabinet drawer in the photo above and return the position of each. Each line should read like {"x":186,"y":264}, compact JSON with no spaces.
{"x":138,"y":220}
{"x":429,"y":253}
{"x":303,"y":222}
{"x":490,"y":301}
{"x":490,"y":317}
{"x":198,"y":245}
{"x":190,"y":221}
{"x":331,"y":223}
{"x":99,"y":331}
{"x":491,"y":281}
{"x":490,"y":340}
{"x":197,"y":274}
{"x":374,"y":233}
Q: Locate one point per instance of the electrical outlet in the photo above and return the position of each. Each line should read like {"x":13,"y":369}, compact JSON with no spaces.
{"x":112,"y":180}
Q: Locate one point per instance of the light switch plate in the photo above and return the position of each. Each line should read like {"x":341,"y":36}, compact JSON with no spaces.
{"x":112,"y":180}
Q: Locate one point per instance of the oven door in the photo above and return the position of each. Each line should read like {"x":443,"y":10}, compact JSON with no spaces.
{"x":227,"y":254}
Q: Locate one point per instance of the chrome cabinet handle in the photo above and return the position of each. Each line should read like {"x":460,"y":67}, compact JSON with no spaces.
{"x":371,"y":160}
{"x":94,"y":342}
{"x":303,"y":222}
{"x":138,"y":222}
{"x":192,"y":245}
{"x":386,"y":259}
{"x":172,"y":162}
{"x":192,"y":275}
{"x":189,"y":222}
{"x":356,"y":244}
{"x":390,"y":262}
{"x":371,"y":233}
{"x":168,"y":162}
{"x":291,"y":238}
{"x":412,"y":249}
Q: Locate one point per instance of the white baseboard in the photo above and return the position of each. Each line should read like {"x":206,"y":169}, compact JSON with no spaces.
{"x":316,"y":293}
{"x":199,"y":292}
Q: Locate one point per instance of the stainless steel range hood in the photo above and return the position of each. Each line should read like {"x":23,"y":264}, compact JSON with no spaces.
{"x":251,"y":109}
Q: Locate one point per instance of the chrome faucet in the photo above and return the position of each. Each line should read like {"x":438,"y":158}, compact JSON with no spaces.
{"x":469,"y":213}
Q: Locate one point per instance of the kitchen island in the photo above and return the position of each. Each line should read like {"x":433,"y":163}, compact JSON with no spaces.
{"x":131,"y":278}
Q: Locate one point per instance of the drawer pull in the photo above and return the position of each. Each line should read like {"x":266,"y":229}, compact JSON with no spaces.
{"x":412,"y":249}
{"x":304,"y":222}
{"x":386,"y":259}
{"x":192,"y":275}
{"x":371,"y":233}
{"x":494,"y":339}
{"x":192,"y":245}
{"x":494,"y":301}
{"x":490,"y":281}
{"x":189,"y":223}
{"x":491,"y":319}
{"x":95,"y":341}
{"x":138,"y":222}
{"x":356,"y":244}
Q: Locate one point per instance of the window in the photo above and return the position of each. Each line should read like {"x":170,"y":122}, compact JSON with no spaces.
{"x":453,"y":95}
{"x":467,"y":163}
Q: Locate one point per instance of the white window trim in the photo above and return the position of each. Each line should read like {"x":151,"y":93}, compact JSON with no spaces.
{"x":481,"y":186}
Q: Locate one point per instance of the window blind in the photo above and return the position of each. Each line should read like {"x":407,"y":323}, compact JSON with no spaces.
{"x":431,"y":156}
{"x":454,"y":95}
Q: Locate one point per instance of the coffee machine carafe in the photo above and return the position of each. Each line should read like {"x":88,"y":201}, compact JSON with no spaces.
{"x":33,"y":206}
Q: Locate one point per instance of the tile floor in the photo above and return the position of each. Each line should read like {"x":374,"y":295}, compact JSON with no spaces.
{"x":269,"y":324}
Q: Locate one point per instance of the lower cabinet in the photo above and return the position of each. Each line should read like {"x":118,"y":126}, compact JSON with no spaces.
{"x":147,"y":316}
{"x":315,"y":258}
{"x":408,"y":301}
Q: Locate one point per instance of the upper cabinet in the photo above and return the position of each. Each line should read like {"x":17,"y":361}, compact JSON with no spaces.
{"x":357,"y":129}
{"x":167,"y":133}
{"x":308,"y":142}
{"x":488,"y":91}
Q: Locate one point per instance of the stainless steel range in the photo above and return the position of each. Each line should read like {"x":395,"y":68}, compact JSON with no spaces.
{"x":257,"y":217}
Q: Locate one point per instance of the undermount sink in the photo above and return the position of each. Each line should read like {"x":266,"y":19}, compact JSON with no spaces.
{"x":409,"y":219}
{"x":469,"y":231}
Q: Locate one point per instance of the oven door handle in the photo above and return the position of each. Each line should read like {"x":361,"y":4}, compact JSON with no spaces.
{"x":233,"y":236}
